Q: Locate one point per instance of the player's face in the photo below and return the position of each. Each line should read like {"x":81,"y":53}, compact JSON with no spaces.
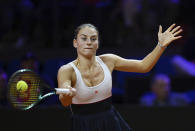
{"x":87,"y":41}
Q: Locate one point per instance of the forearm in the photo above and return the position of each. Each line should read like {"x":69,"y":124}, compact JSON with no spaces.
{"x":146,"y":64}
{"x":151,"y":59}
{"x":165,"y":38}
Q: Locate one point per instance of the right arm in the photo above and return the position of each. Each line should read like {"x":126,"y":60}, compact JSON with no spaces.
{"x":146,"y":64}
{"x":64,"y":78}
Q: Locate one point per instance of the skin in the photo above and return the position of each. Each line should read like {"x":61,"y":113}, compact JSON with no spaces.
{"x":87,"y":44}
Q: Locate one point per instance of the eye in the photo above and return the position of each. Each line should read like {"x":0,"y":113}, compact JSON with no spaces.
{"x":84,"y":39}
{"x":93,"y":39}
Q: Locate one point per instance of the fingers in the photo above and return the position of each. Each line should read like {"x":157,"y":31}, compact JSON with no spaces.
{"x":175,"y":38}
{"x":178,"y":32}
{"x":160,"y":29}
{"x":71,"y":92}
{"x":175,"y":29}
{"x":170,"y":28}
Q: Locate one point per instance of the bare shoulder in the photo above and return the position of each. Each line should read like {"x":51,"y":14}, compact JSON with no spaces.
{"x":109,"y":60}
{"x":66,"y":74}
{"x":65,"y":70}
{"x":108,"y":57}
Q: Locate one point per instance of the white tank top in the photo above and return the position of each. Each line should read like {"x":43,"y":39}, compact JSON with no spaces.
{"x":85,"y":94}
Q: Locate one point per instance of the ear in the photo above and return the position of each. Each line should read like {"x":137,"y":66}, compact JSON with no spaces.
{"x":98,"y":46}
{"x":75,"y":43}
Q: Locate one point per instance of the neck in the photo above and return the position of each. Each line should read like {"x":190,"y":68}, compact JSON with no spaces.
{"x":86,"y":63}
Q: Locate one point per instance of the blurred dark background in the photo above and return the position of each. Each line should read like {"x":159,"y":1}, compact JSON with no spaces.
{"x":38,"y":34}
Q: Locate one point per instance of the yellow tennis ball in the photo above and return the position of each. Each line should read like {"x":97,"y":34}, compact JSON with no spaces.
{"x":21,"y":86}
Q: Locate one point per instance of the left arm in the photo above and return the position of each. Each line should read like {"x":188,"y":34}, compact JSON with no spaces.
{"x":146,"y":64}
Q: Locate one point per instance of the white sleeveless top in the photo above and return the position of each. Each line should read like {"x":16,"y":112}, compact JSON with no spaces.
{"x":85,"y":94}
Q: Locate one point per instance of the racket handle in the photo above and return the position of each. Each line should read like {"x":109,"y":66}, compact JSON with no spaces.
{"x":63,"y":90}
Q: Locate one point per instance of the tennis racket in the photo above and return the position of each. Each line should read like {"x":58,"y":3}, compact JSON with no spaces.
{"x":37,"y":90}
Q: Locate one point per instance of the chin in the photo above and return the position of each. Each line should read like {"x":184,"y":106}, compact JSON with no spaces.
{"x":89,"y":54}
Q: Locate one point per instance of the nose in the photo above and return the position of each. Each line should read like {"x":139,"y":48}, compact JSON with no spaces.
{"x":88,"y":42}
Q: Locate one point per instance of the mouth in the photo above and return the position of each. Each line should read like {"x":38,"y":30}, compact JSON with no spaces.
{"x":88,"y":48}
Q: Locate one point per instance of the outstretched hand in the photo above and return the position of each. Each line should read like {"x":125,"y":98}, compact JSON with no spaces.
{"x":169,"y":35}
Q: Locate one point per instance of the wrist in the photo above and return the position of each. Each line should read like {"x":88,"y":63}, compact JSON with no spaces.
{"x":161,"y":46}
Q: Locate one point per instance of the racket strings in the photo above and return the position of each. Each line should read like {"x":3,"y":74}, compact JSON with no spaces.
{"x":26,"y":99}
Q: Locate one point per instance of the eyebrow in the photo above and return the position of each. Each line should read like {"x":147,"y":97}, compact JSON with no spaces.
{"x":90,"y":36}
{"x":83,"y":34}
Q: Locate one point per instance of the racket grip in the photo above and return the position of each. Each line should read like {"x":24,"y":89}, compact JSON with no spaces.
{"x":62,"y":91}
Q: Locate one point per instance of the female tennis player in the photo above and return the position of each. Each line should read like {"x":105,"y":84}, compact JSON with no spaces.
{"x":90,"y":75}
